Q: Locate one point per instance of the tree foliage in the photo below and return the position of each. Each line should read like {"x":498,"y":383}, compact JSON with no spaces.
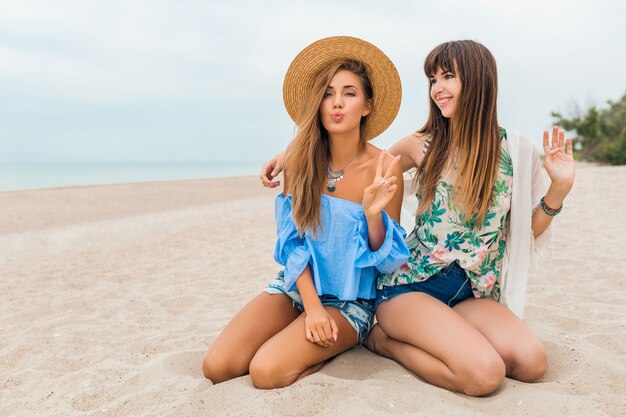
{"x":600,"y":133}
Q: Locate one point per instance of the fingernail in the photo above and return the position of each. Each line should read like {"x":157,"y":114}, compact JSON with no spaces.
{"x":335,"y":338}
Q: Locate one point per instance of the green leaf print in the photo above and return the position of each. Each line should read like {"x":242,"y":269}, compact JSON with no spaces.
{"x":430,"y":238}
{"x":438,"y":211}
{"x":501,"y":248}
{"x":500,"y":189}
{"x":460,"y":220}
{"x":444,"y":227}
{"x":473,"y":238}
{"x":506,"y":167}
{"x":454,"y":241}
{"x":426,"y":268}
{"x":446,"y":193}
{"x":490,"y":215}
{"x":496,"y":292}
{"x":424,"y":263}
{"x":488,"y":264}
{"x":471,"y":224}
{"x":489,"y":237}
{"x":434,"y":214}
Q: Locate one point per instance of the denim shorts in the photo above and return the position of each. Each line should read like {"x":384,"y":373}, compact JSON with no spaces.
{"x":450,"y":286}
{"x":359,"y":312}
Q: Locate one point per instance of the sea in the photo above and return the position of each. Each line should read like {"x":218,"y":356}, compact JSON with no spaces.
{"x":35,"y":175}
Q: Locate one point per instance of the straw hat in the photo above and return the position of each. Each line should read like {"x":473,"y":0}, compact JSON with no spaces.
{"x":387,"y":90}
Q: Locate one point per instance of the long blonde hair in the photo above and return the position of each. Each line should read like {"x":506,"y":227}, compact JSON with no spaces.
{"x":309,"y":153}
{"x":473,"y":132}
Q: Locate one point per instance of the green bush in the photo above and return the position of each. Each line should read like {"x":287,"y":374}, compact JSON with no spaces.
{"x":600,"y":133}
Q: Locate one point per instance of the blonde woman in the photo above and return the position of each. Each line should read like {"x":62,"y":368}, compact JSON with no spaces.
{"x":336,"y":220}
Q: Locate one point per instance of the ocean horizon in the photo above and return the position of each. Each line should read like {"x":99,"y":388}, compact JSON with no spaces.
{"x":34,"y":175}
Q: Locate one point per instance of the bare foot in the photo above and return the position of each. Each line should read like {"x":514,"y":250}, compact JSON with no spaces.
{"x":377,"y":334}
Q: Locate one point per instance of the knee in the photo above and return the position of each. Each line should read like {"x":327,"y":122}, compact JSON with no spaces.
{"x":219,"y":368}
{"x":483,"y":376}
{"x":266,"y":372}
{"x":530,"y":364}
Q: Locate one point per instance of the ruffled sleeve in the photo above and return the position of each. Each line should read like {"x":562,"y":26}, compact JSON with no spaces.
{"x":291,"y":250}
{"x":392,"y":254}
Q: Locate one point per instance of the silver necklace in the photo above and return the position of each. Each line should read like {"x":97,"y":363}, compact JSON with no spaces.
{"x":336,"y":176}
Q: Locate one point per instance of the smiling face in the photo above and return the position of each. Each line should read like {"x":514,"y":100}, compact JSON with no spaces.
{"x":445,"y":91}
{"x":344,"y":104}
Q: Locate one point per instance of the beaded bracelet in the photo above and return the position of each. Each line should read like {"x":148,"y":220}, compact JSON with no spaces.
{"x":548,"y":210}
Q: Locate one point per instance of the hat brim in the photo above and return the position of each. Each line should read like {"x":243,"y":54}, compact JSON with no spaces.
{"x":386,"y":86}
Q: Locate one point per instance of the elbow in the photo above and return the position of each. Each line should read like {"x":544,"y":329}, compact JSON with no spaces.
{"x":375,"y":245}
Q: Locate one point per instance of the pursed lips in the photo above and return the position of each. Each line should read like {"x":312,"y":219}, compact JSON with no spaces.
{"x":337,"y":117}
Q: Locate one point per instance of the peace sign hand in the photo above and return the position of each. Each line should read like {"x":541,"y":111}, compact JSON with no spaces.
{"x":377,"y":195}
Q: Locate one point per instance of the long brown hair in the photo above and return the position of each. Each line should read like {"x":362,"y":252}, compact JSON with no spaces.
{"x":309,"y":153}
{"x":473,"y":131}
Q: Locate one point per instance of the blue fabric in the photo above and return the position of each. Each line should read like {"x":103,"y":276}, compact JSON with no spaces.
{"x":340,"y":259}
{"x":359,"y":313}
{"x":450,"y":286}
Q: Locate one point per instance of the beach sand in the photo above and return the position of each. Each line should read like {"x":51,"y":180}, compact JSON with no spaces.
{"x":110,"y":295}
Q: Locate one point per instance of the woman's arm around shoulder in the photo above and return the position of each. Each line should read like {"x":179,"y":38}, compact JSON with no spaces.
{"x":411,"y":149}
{"x":273,"y":168}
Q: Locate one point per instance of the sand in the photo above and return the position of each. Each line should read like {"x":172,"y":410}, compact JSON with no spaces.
{"x":110,"y":296}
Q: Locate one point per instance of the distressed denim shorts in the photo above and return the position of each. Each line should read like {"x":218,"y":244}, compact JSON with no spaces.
{"x":450,"y":286}
{"x":359,"y":312}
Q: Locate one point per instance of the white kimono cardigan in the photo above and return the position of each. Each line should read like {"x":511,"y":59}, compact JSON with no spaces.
{"x":522,"y":249}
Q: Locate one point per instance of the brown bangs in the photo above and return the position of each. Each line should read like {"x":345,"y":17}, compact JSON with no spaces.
{"x":440,"y":57}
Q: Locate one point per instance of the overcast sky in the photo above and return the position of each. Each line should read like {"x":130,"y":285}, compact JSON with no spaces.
{"x":185,"y":80}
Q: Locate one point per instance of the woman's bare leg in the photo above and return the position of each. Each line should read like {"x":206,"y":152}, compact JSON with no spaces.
{"x":523,"y":354}
{"x":437,"y":344}
{"x":230,"y":354}
{"x":289,"y":356}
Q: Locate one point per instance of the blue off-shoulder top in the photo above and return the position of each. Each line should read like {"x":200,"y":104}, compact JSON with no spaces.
{"x":340,"y":259}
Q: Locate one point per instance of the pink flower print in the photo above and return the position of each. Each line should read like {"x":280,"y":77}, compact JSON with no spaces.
{"x":488,"y":280}
{"x":438,"y":253}
{"x":482,"y":252}
{"x":464,"y":263}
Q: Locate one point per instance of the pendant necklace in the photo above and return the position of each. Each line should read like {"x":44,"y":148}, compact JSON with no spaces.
{"x":336,"y":176}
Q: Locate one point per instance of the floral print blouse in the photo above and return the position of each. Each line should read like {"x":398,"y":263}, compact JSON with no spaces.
{"x":442,"y":235}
